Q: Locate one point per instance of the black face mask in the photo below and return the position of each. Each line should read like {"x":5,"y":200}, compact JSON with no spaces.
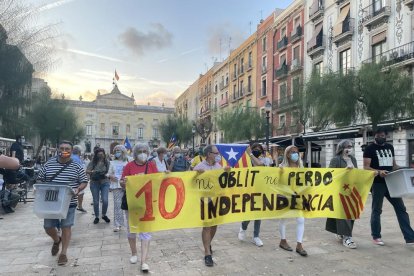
{"x":256,"y":153}
{"x":380,"y":140}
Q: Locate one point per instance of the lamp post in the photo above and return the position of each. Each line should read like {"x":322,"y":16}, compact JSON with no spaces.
{"x":193,"y":131}
{"x":268,"y":108}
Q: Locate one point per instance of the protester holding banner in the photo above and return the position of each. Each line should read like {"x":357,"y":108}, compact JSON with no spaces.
{"x":211,"y":162}
{"x":292,"y":159}
{"x":115,"y":172}
{"x":380,"y":157}
{"x":140,"y":165}
{"x":342,"y":228}
{"x":256,"y":155}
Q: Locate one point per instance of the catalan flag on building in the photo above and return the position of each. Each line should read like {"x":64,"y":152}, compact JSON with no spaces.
{"x":234,"y":155}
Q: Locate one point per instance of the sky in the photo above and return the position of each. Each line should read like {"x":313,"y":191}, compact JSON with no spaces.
{"x":157,"y":47}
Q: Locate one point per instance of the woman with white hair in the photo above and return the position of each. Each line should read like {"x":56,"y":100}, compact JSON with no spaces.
{"x":291,"y":159}
{"x":140,"y":165}
{"x":115,"y":172}
{"x":342,"y":228}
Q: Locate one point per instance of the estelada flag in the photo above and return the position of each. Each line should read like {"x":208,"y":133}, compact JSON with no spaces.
{"x":172,"y":142}
{"x":234,"y":155}
{"x":116,"y":76}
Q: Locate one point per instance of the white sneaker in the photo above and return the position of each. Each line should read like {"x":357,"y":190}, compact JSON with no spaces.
{"x":348,"y":242}
{"x":133,"y":259}
{"x":242,"y":234}
{"x":144,"y":267}
{"x":257,"y":241}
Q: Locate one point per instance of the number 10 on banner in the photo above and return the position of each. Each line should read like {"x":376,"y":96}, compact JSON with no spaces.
{"x":178,"y":185}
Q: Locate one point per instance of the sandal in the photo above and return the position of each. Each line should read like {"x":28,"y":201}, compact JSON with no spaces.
{"x":302,"y":252}
{"x":285,"y":247}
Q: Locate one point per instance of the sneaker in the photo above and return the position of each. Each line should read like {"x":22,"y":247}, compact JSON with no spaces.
{"x":339,"y":237}
{"x":62,"y":259}
{"x":208,"y":260}
{"x":378,"y":242}
{"x":257,"y":241}
{"x":55,"y":247}
{"x":409,"y":243}
{"x":106,"y":219}
{"x":133,"y":259}
{"x":96,"y":221}
{"x":144,"y":267}
{"x":242,"y":234}
{"x":348,"y":242}
{"x":117,"y":229}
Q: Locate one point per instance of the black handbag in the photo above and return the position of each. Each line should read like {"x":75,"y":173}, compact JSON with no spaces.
{"x":124,"y":203}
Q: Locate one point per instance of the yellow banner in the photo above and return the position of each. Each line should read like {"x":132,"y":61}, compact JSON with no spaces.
{"x":190,"y":199}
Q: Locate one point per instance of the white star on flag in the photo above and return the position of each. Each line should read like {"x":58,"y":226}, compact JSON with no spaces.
{"x":232,"y":154}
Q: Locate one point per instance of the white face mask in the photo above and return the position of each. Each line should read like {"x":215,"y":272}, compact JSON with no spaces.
{"x":142,"y":157}
{"x":217,"y":158}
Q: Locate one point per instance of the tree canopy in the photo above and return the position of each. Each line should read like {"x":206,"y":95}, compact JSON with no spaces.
{"x":372,"y":94}
{"x":178,"y":126}
{"x":242,"y":124}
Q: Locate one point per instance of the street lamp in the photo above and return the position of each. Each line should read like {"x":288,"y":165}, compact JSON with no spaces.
{"x":193,"y":131}
{"x":268,"y":108}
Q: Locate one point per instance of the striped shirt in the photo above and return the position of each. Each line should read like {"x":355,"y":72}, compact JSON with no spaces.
{"x":73,"y":175}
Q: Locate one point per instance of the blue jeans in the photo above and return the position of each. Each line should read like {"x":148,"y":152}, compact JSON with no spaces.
{"x":379,"y":191}
{"x":103,"y":188}
{"x":256,"y":229}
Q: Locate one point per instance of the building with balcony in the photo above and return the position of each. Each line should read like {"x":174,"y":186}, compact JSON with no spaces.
{"x":113,"y":116}
{"x":288,"y":69}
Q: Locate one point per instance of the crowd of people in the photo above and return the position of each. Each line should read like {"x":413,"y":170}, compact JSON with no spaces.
{"x":107,"y":173}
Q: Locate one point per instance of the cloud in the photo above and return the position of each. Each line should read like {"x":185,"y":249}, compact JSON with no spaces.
{"x":224,"y":32}
{"x":53,"y":5}
{"x":158,"y":37}
{"x":89,"y":54}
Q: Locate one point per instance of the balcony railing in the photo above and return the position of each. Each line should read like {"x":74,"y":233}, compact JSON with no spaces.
{"x":224,"y":102}
{"x":285,"y":102}
{"x":234,"y":75}
{"x":318,"y":47}
{"x":248,"y":90}
{"x":402,"y":55}
{"x":379,"y":10}
{"x":347,"y":31}
{"x":240,"y":71}
{"x":296,"y":65}
{"x":282,"y":71}
{"x":409,"y":4}
{"x":316,"y":10}
{"x":264,"y":69}
{"x":282,"y":43}
{"x":249,"y":66}
{"x":297,"y":35}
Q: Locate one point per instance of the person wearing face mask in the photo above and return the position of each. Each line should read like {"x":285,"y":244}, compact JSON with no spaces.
{"x":291,"y":159}
{"x":178,"y":162}
{"x":98,"y":169}
{"x":116,"y":168}
{"x":256,"y":156}
{"x":380,"y":158}
{"x":160,"y":160}
{"x":62,"y":170}
{"x":211,"y":162}
{"x":140,"y":165}
{"x":342,"y":228}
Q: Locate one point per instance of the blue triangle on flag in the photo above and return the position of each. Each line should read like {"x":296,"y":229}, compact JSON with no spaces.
{"x":232,"y":152}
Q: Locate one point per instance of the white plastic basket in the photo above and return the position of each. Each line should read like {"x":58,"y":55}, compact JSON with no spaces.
{"x":52,"y":200}
{"x":401,"y":183}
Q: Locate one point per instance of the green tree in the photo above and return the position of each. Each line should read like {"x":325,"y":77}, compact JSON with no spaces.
{"x":374,"y":92}
{"x":178,"y":126}
{"x":53,"y":120}
{"x":242,"y":124}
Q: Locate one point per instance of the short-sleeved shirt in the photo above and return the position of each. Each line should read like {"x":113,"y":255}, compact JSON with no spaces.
{"x":73,"y":175}
{"x":161,"y":164}
{"x":206,"y":166}
{"x":18,"y":148}
{"x":115,"y":169}
{"x":132,"y":168}
{"x":382,"y":158}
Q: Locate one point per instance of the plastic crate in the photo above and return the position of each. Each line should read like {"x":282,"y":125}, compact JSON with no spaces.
{"x":52,"y":200}
{"x":400,"y":183}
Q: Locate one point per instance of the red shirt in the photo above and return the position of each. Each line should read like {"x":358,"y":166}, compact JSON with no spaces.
{"x":132,"y":168}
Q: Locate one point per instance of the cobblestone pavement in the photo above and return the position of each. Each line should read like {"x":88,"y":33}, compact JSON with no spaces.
{"x":97,"y":250}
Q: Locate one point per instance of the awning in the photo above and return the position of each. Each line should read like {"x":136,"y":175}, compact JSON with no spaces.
{"x":379,"y":38}
{"x":334,"y":135}
{"x":338,"y":27}
{"x":312,"y":42}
